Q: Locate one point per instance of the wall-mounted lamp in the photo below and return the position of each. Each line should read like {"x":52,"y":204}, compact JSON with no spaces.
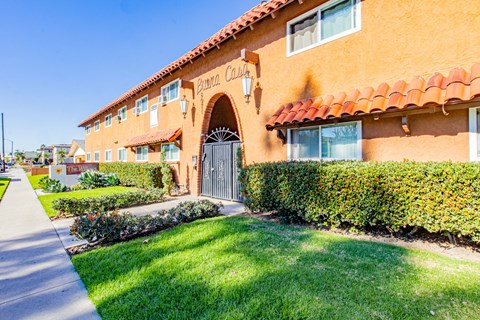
{"x":194,"y":162}
{"x":183,"y":106}
{"x":247,"y":86}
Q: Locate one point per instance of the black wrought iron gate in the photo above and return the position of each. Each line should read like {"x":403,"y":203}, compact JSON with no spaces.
{"x":219,"y":165}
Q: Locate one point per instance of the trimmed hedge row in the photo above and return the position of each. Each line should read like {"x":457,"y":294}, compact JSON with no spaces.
{"x":109,"y":202}
{"x":436,"y":196}
{"x":141,"y":175}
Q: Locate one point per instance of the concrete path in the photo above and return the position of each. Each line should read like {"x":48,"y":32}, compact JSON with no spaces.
{"x":37,"y":278}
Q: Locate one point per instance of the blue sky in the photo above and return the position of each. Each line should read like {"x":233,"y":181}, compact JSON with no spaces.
{"x":60,"y":61}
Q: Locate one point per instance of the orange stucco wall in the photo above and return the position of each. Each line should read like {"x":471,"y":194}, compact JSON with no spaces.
{"x":399,"y":39}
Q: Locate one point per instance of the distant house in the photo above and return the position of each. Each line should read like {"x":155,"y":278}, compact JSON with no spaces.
{"x":31,"y":155}
{"x":77,"y":151}
{"x":55,"y":151}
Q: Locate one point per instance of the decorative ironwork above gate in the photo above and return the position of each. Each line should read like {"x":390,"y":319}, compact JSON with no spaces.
{"x":222,"y":135}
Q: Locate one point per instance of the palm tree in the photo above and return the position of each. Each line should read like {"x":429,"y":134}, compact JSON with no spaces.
{"x":61,"y":155}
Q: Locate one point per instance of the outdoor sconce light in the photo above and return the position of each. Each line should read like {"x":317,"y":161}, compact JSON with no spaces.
{"x":247,"y":86}
{"x":194,"y":162}
{"x":183,"y":106}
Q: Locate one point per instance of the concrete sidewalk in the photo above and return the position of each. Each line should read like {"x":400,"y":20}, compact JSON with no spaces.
{"x":37,"y":278}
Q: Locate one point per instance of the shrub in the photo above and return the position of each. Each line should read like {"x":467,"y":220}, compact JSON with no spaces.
{"x":141,"y":175}
{"x":436,"y":196}
{"x":51,"y":185}
{"x":114,"y":201}
{"x":111,"y":227}
{"x":92,"y":179}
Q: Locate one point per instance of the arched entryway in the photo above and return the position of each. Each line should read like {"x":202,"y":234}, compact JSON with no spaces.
{"x":220,"y":150}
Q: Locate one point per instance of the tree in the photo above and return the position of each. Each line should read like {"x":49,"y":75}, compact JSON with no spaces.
{"x":61,"y":155}
{"x":19,"y":156}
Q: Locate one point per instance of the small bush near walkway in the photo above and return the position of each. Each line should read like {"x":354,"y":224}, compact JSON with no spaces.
{"x":34,"y":180}
{"x":111,"y":227}
{"x":436,"y":196}
{"x":74,"y":206}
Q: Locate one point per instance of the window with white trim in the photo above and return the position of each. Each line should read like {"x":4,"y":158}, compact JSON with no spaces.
{"x":89,"y":157}
{"x":122,"y":154}
{"x":108,"y":120}
{"x":330,"y":21}
{"x":474,"y":133}
{"x":122,"y":113}
{"x":171,"y":91}
{"x":96,"y":126}
{"x":96,"y":156}
{"x":142,"y":153}
{"x":327,"y":142}
{"x":153,"y":116}
{"x":108,"y":155}
{"x":172,"y":152}
{"x":141,"y":105}
{"x":88,"y":129}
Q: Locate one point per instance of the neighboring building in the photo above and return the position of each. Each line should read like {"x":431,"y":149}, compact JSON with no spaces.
{"x":367,"y":80}
{"x":46,"y":155}
{"x":55,"y":152}
{"x":30,"y":156}
{"x":77,"y":151}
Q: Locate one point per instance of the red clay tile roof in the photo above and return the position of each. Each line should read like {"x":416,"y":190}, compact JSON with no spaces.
{"x":248,"y":18}
{"x":154,"y":138}
{"x":437,"y":90}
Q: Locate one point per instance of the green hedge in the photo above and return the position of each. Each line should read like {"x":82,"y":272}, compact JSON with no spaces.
{"x":436,"y":196}
{"x":141,"y":175}
{"x":109,"y":202}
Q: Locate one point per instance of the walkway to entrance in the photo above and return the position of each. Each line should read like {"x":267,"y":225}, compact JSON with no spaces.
{"x":37,"y":278}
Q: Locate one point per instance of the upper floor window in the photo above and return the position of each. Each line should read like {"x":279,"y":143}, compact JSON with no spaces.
{"x":170,"y":91}
{"x":330,"y":21}
{"x":108,"y":120}
{"x":141,"y":105}
{"x":329,"y":142}
{"x":153,"y":116}
{"x":88,"y":129}
{"x":172,"y":153}
{"x":96,"y":125}
{"x":122,"y":113}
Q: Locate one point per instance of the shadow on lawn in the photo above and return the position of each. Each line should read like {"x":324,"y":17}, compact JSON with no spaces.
{"x":253,"y":269}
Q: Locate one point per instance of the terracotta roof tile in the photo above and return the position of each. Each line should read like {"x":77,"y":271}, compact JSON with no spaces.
{"x":460,"y":85}
{"x":255,"y":14}
{"x":152,"y":138}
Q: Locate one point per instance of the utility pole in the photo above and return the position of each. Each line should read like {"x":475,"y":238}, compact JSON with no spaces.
{"x":3,"y":145}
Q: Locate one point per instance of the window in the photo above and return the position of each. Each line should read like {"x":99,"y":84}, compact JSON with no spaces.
{"x":330,"y":21}
{"x":122,"y":154}
{"x":122,"y":113}
{"x":328,"y":142}
{"x":108,"y":120}
{"x":88,"y":129}
{"x":108,"y":155}
{"x":171,"y":90}
{"x":142,"y":153}
{"x":89,"y":158}
{"x":172,"y":153}
{"x":96,"y":156}
{"x":141,"y":105}
{"x":153,"y":116}
{"x":474,"y":133}
{"x":96,"y":125}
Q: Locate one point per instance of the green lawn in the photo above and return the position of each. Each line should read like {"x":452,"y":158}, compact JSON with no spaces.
{"x":34,"y":180}
{"x":3,"y":186}
{"x":241,"y":268}
{"x":47,"y":200}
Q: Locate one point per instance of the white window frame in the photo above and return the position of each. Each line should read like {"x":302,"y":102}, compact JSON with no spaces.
{"x":136,"y":154}
{"x":95,"y":155}
{"x":88,"y":129}
{"x":168,"y":85}
{"x":88,"y":157}
{"x":473,"y":134}
{"x":153,"y":117}
{"x":170,"y":160}
{"x":126,"y":111}
{"x":319,"y":127}
{"x":118,"y":154}
{"x":108,"y":116}
{"x":136,"y":104}
{"x":319,"y":9}
{"x":111,"y":155}
{"x":96,"y":126}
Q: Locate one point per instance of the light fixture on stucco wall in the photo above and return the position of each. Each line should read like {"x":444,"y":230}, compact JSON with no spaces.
{"x":247,"y":86}
{"x":184,"y":106}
